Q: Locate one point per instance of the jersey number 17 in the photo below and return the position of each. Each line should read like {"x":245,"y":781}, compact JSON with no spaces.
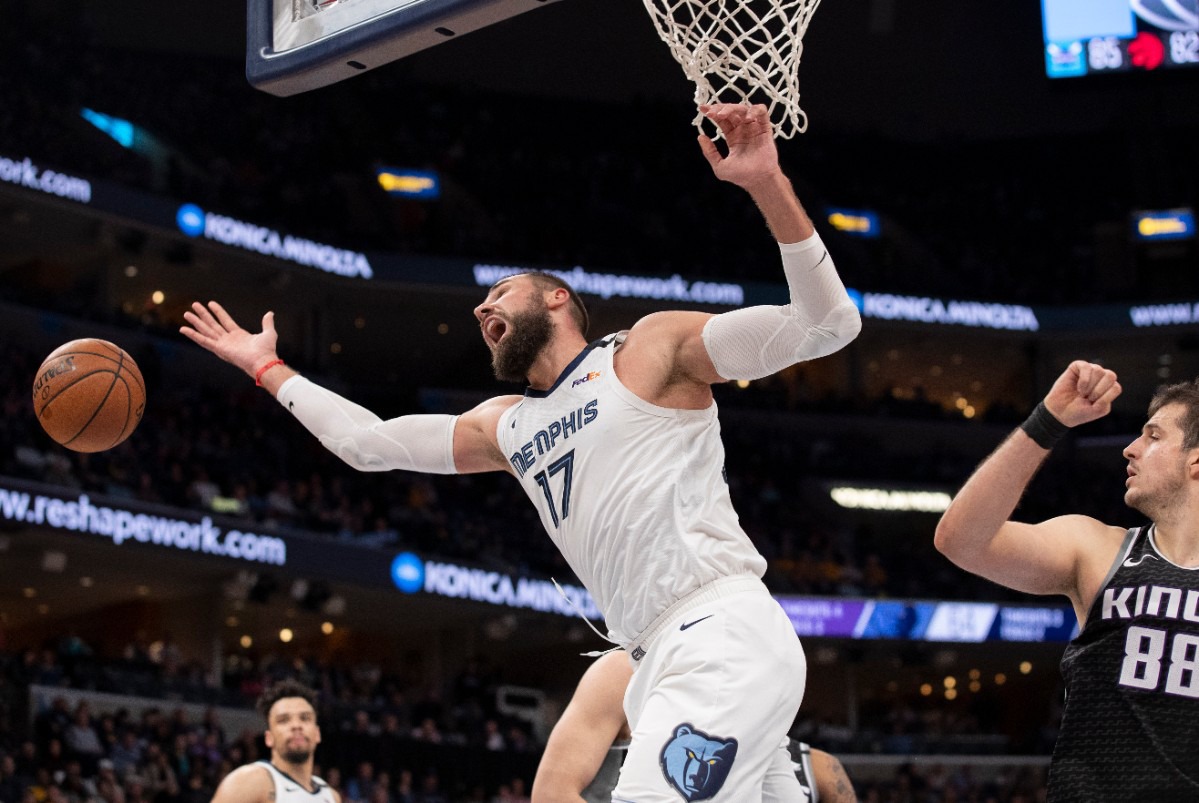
{"x":563,"y":465}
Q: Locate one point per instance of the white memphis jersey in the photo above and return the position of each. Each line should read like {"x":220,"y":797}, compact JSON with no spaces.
{"x":289,"y":790}
{"x":634,"y":495}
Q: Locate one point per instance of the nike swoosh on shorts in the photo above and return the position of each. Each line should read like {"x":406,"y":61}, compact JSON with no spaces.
{"x":697,"y":621}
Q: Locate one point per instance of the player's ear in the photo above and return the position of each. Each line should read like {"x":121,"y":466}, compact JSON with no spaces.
{"x":270,"y":739}
{"x":558,"y":297}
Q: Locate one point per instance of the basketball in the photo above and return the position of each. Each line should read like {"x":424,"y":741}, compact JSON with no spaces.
{"x":89,"y":395}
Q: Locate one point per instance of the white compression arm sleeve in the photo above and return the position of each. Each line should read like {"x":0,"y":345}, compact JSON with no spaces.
{"x":422,"y":443}
{"x":758,"y":341}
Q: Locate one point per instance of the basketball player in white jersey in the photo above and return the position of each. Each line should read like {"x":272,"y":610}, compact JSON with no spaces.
{"x":292,"y":736}
{"x":617,"y":443}
{"x":582,"y":758}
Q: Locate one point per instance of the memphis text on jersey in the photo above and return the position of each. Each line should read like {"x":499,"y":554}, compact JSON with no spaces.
{"x":545,"y":439}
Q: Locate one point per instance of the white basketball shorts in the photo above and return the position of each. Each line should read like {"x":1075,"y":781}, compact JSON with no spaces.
{"x":710,"y":704}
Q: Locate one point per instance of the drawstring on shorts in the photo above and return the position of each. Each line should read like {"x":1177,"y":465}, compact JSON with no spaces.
{"x":594,"y":629}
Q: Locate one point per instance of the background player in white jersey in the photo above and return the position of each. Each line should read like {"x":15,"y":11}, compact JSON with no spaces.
{"x":1132,"y":673}
{"x":585,"y":750}
{"x":292,"y":736}
{"x":617,"y":444}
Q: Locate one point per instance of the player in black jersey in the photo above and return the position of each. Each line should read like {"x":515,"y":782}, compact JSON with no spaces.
{"x":584,"y":753}
{"x":1130,"y":730}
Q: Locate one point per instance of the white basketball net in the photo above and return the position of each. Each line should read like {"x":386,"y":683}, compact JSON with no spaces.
{"x":740,"y":51}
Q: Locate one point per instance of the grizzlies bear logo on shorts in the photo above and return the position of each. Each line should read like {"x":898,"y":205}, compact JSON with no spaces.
{"x":696,"y":763}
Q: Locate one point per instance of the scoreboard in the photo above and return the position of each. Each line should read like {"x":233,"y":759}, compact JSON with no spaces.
{"x":1086,"y":37}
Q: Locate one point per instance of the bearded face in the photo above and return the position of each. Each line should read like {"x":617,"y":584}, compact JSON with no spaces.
{"x":527,"y":334}
{"x":295,"y":755}
{"x":293,"y":733}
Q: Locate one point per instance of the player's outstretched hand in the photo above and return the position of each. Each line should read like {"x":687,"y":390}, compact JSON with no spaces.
{"x":214,"y":329}
{"x":1083,"y":393}
{"x":752,"y":156}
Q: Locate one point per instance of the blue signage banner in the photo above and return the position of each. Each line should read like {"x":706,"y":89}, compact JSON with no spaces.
{"x":962,"y":622}
{"x":191,"y":221}
{"x":127,"y":524}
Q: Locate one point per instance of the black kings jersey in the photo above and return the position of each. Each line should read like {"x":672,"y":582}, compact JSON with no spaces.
{"x":1130,"y":730}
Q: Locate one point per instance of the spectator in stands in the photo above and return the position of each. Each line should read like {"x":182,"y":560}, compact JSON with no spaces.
{"x":52,"y":723}
{"x":106,"y":729}
{"x":11,"y":787}
{"x":155,"y":770}
{"x":430,"y":789}
{"x":54,"y":760}
{"x":135,"y":790}
{"x":198,"y":789}
{"x":42,"y":786}
{"x":27,"y":762}
{"x":427,"y":731}
{"x":518,"y":791}
{"x":492,"y":738}
{"x":333,"y":777}
{"x":359,"y":788}
{"x":108,"y":788}
{"x":518,"y":739}
{"x":127,"y":753}
{"x":181,"y":762}
{"x":405,"y":791}
{"x":73,"y":783}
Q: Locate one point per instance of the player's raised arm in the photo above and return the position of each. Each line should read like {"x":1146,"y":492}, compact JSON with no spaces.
{"x":432,"y":444}
{"x":756,"y":342}
{"x":975,"y":532}
{"x":752,"y":163}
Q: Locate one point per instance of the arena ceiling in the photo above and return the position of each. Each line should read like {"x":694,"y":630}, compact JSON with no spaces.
{"x":917,"y":71}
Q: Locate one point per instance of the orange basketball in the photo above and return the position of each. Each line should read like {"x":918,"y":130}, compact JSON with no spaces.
{"x":89,"y":395}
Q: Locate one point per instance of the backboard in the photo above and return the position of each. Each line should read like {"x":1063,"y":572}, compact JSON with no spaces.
{"x":293,"y":46}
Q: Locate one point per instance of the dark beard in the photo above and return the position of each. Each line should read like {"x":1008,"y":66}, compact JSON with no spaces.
{"x":528,"y":334}
{"x":296,"y":757}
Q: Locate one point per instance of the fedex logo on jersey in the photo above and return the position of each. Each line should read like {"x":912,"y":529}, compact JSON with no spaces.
{"x":545,"y":439}
{"x":587,"y":378}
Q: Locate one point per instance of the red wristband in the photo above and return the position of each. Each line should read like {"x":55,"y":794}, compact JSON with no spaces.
{"x":258,"y":374}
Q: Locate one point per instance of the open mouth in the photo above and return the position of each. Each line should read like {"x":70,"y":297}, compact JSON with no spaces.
{"x":494,"y":329}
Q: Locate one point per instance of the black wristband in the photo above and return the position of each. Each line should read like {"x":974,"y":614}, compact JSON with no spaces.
{"x":1043,"y":427}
